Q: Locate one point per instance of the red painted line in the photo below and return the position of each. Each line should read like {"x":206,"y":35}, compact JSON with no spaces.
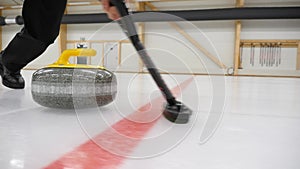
{"x":116,"y":142}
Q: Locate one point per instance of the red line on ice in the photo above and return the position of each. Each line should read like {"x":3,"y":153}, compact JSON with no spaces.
{"x":121,"y":138}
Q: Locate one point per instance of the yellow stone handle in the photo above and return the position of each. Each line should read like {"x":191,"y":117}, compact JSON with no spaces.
{"x":64,"y":57}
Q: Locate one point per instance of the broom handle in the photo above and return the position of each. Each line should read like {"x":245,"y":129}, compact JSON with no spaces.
{"x":127,"y":25}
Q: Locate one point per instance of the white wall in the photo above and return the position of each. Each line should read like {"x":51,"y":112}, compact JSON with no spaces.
{"x":171,"y":52}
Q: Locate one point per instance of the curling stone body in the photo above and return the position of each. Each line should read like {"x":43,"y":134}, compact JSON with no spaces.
{"x":68,"y":86}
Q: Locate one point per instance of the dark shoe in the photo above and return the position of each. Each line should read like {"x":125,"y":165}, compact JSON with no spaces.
{"x":10,"y":79}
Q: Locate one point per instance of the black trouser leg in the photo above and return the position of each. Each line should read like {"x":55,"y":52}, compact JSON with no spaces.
{"x":22,"y":50}
{"x":42,"y":20}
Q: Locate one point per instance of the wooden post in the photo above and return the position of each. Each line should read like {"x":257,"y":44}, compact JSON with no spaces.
{"x":237,"y":61}
{"x":298,"y":58}
{"x":103,"y":54}
{"x":238,"y":29}
{"x":141,"y":26}
{"x":240,"y":3}
{"x":89,"y":58}
{"x":63,"y":37}
{"x":119,"y":53}
{"x":141,"y":6}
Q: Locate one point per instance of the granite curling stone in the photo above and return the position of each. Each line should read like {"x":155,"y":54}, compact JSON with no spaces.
{"x":68,"y":86}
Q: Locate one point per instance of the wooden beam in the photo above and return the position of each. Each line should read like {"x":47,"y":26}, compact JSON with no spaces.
{"x":298,"y":58}
{"x":63,"y":37}
{"x":285,"y":43}
{"x":100,"y":41}
{"x":238,"y":30}
{"x":191,"y":40}
{"x":270,"y":41}
{"x":197,"y":45}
